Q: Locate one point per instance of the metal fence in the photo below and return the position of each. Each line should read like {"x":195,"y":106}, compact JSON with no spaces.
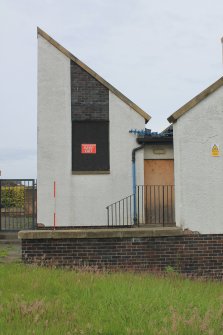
{"x":17,"y":204}
{"x":151,"y":204}
{"x":121,"y":213}
{"x":155,"y":204}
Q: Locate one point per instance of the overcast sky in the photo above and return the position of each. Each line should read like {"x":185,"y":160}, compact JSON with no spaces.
{"x":158,"y":53}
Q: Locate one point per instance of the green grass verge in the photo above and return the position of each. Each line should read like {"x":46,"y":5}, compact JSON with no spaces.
{"x":4,"y":252}
{"x":41,"y":301}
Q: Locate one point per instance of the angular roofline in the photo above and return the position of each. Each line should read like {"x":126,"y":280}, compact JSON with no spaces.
{"x":121,"y":96}
{"x":193,"y":102}
{"x":166,"y":129}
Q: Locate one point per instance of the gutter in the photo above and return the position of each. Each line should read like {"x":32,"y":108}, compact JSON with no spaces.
{"x":155,"y":140}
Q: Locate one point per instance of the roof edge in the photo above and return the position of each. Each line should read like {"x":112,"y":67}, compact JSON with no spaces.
{"x":193,"y":102}
{"x":131,"y":104}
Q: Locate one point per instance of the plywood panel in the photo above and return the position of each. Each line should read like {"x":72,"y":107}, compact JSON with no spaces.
{"x":159,"y":192}
{"x":158,"y":172}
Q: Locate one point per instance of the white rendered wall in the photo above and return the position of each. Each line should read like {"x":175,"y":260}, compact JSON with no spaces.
{"x":198,"y":175}
{"x":81,"y":199}
{"x":159,"y":151}
{"x":54,"y":134}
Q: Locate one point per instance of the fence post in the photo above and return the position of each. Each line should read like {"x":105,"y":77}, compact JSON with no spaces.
{"x":163,"y":206}
{"x":0,"y":205}
{"x":33,"y":202}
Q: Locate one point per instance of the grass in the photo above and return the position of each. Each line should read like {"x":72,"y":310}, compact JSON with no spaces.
{"x":41,"y":301}
{"x":4,"y":252}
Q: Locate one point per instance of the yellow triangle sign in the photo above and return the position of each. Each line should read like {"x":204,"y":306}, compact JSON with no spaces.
{"x":215,"y":150}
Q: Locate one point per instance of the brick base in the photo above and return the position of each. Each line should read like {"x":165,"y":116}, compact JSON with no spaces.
{"x":192,"y":255}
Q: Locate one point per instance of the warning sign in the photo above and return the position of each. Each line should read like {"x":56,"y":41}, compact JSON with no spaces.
{"x":88,"y":148}
{"x":215,"y":150}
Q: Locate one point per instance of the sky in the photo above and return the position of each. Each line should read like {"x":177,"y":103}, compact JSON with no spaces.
{"x":160,"y":54}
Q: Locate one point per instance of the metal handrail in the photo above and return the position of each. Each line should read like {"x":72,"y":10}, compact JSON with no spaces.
{"x":120,"y":213}
{"x":151,"y":204}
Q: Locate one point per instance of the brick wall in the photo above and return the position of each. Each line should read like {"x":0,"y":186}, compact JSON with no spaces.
{"x":89,"y":98}
{"x":192,"y":255}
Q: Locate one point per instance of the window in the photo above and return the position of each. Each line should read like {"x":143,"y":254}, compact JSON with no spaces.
{"x":90,"y":146}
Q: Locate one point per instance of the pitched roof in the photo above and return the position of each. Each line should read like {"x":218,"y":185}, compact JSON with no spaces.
{"x":121,"y":96}
{"x":204,"y":94}
{"x":168,"y":131}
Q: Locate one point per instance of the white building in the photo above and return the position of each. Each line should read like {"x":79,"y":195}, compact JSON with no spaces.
{"x":84,"y":145}
{"x":198,"y":161}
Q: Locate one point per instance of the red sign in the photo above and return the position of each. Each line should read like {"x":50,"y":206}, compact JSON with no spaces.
{"x":88,"y":148}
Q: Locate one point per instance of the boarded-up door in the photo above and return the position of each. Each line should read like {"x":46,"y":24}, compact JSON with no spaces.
{"x":158,"y":172}
{"x":159,"y":191}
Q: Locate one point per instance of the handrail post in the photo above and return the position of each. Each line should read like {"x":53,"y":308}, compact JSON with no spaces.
{"x":108,"y":215}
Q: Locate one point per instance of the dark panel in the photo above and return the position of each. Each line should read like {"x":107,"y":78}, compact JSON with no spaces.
{"x":89,"y":98}
{"x":90,"y":132}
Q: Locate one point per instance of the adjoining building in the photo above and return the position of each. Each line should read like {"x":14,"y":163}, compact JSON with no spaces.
{"x":198,"y":161}
{"x":158,"y":158}
{"x":158,"y":189}
{"x":84,"y":144}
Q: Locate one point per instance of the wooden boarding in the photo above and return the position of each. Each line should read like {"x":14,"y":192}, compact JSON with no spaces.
{"x":159,"y":192}
{"x":158,"y":172}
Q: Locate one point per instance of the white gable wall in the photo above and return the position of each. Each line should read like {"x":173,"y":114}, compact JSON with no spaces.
{"x":198,"y":175}
{"x":80,"y":199}
{"x":54,"y":134}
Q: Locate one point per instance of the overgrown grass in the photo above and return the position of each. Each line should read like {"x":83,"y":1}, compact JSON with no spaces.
{"x":41,"y":301}
{"x":4,"y":252}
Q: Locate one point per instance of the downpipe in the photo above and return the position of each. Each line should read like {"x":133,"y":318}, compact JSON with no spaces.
{"x":134,"y":181}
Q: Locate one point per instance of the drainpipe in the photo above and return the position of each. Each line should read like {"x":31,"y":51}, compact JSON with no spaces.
{"x":134,"y":180}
